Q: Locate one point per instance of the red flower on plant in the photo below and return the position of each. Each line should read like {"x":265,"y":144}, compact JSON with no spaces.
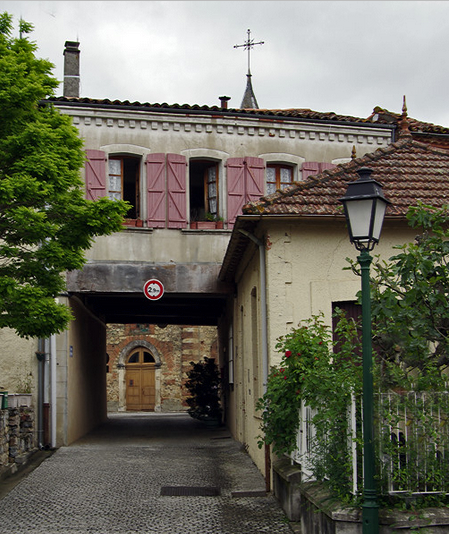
{"x":288,"y":353}
{"x":285,"y":378}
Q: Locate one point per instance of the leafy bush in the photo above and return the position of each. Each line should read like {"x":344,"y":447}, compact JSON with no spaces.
{"x":204,"y":386}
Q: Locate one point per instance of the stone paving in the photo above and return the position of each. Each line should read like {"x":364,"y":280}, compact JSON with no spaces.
{"x":110,"y":482}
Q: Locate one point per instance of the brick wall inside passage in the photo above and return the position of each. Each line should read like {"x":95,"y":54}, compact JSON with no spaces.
{"x":176,"y":345}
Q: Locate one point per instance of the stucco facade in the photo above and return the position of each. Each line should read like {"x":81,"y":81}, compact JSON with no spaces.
{"x":305,"y":275}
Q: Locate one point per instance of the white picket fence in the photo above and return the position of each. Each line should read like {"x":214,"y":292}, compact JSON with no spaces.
{"x":412,"y":442}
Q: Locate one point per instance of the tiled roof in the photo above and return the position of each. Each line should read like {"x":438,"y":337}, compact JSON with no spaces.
{"x":379,"y":117}
{"x":305,"y":114}
{"x":383,"y":116}
{"x":408,"y":170}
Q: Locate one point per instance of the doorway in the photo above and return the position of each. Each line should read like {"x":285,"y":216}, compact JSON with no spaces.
{"x":140,"y":380}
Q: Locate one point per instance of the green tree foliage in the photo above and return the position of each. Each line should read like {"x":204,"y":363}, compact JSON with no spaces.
{"x":46,"y":224}
{"x":409,"y":301}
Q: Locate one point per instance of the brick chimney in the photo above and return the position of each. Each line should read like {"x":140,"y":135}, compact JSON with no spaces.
{"x":224,"y":101}
{"x":71,"y":70}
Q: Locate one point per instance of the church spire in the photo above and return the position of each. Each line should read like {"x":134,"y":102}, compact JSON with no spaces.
{"x":249,"y":99}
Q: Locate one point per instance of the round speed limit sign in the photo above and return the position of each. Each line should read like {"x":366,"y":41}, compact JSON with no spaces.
{"x":153,"y":289}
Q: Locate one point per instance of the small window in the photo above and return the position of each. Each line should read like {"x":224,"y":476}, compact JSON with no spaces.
{"x":203,"y":178}
{"x":123,"y":182}
{"x":141,"y":356}
{"x":278,"y":177}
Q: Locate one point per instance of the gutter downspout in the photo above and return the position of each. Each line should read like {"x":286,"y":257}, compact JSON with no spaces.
{"x":263,"y":304}
{"x":53,"y":391}
{"x":40,"y":355}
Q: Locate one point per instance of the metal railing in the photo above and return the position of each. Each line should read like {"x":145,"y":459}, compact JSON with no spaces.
{"x":412,"y":442}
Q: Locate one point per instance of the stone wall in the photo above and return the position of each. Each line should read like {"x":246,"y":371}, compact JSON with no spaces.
{"x":176,"y":347}
{"x":314,"y":509}
{"x":17,"y":435}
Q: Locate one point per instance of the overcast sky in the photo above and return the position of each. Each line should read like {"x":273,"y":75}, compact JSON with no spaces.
{"x":340,"y":56}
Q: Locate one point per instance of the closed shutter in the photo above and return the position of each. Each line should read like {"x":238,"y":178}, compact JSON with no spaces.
{"x":156,"y":190}
{"x":95,"y":174}
{"x":176,"y":188}
{"x":235,"y":170}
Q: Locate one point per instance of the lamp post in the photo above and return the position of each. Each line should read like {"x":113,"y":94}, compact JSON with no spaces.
{"x":365,"y":206}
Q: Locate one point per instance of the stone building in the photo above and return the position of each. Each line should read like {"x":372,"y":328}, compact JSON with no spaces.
{"x":172,"y":347}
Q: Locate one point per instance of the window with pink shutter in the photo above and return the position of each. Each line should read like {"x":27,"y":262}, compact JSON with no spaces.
{"x":95,"y":173}
{"x":123,"y":182}
{"x":156,"y":190}
{"x":203,"y":190}
{"x":176,"y":191}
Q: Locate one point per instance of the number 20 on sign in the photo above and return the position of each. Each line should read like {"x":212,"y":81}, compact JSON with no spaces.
{"x":153,"y":289}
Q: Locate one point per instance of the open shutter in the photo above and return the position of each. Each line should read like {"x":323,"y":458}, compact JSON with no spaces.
{"x":235,"y":176}
{"x":156,"y":190}
{"x":310,"y":168}
{"x":324,"y":166}
{"x":255,"y":179}
{"x":176,"y":191}
{"x":95,"y":174}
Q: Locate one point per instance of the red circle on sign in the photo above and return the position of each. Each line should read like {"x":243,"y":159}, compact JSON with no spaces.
{"x":153,"y":289}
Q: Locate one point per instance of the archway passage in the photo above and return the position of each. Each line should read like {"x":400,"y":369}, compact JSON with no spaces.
{"x":140,"y":381}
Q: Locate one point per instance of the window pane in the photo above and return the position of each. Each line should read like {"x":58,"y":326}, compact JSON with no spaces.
{"x":213,"y":206}
{"x":271,"y":174}
{"x":286,"y":175}
{"x":115,"y":196}
{"x":115,"y":183}
{"x":271,"y":188}
{"x":134,"y":358}
{"x":147,"y":358}
{"x":115,"y":166}
{"x":212,"y":174}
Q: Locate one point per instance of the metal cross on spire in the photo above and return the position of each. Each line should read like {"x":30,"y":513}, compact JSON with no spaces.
{"x":248,"y":45}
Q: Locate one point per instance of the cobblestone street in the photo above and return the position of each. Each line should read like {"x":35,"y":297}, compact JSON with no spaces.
{"x":145,"y":473}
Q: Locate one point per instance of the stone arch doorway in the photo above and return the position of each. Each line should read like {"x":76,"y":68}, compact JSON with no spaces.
{"x":140,"y":381}
{"x":139,"y":377}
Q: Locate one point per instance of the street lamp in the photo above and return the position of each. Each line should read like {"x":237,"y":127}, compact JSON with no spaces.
{"x":365,"y":206}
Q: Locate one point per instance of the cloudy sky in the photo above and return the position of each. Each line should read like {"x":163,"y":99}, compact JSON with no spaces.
{"x":340,"y":56}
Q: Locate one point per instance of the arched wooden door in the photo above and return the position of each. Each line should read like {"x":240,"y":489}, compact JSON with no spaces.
{"x":140,"y":381}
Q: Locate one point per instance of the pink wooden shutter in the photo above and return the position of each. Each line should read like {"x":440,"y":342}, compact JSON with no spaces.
{"x":310,"y":168}
{"x":324,"y":166}
{"x":156,"y":190}
{"x":176,"y":191}
{"x":255,"y":179}
{"x":95,"y":174}
{"x":235,"y":175}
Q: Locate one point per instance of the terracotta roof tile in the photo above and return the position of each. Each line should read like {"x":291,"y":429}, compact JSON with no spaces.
{"x":408,"y":170}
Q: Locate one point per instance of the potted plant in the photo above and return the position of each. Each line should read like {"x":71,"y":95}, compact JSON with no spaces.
{"x":216,"y":219}
{"x":204,"y":386}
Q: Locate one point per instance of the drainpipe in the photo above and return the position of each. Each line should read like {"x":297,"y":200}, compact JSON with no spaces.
{"x":53,"y":391}
{"x":40,"y":355}
{"x":263,"y":303}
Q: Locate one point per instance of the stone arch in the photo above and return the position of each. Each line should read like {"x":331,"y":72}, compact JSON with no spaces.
{"x":122,"y":372}
{"x":139,"y":343}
